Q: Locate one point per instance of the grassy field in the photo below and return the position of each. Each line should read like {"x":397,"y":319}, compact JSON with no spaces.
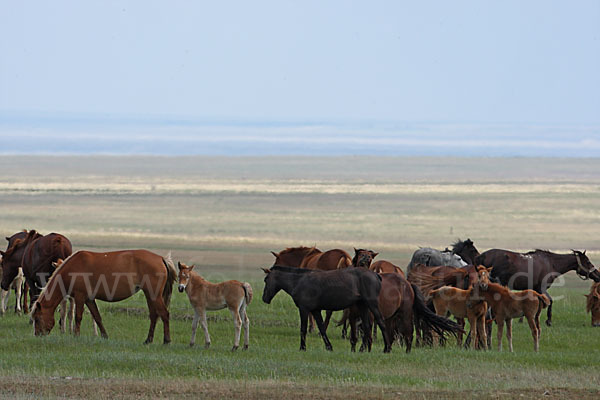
{"x":226,"y":214}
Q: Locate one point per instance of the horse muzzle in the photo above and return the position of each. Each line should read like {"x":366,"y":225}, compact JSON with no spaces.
{"x":181,"y":288}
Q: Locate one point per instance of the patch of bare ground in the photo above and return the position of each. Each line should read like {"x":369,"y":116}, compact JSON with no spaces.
{"x":74,"y":388}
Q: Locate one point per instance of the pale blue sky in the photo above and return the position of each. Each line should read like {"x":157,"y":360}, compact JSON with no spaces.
{"x":472,"y":62}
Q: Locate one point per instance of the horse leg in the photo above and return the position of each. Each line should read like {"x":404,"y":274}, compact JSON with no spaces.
{"x":194,"y":327}
{"x":303,"y":326}
{"x":4,"y":300}
{"x":481,"y":331}
{"x":549,"y":314}
{"x":63,"y":315}
{"x":153,"y":317}
{"x":311,"y":323}
{"x":534,"y":333}
{"x":328,"y":314}
{"x":374,"y":308}
{"x":473,"y":331}
{"x":93,"y":307}
{"x":246,"y":323}
{"x":509,"y":334}
{"x":322,"y":329}
{"x":24,"y":303}
{"x":461,"y":322}
{"x":365,"y":327}
{"x":79,"y":302}
{"x":237,"y":322}
{"x":18,"y":287}
{"x":202,"y":316}
{"x":500,"y":323}
{"x":353,"y":333}
{"x":71,"y":316}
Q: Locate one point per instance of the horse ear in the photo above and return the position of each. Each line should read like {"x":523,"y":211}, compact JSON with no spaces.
{"x":584,"y":252}
{"x":275,"y":254}
{"x":7,"y":238}
{"x":179,"y":264}
{"x":192,"y":267}
{"x":266,"y":270}
{"x":373,"y":254}
{"x":489,"y":270}
{"x":356,"y":251}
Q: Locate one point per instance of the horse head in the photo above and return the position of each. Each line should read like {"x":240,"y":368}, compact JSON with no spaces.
{"x":585,"y":268}
{"x":466,"y":250}
{"x":42,"y":318}
{"x":593,"y":304}
{"x":271,"y":286}
{"x":363,"y":258}
{"x":184,"y":275}
{"x":483,"y":277}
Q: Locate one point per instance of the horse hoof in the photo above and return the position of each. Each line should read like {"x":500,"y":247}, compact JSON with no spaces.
{"x":166,"y":342}
{"x":147,"y":341}
{"x":548,"y":322}
{"x":234,"y":348}
{"x":302,"y":348}
{"x":245,"y":347}
{"x":329,"y":348}
{"x":207,"y":345}
{"x":191,"y":344}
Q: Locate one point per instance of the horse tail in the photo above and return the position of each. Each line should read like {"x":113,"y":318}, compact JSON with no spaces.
{"x":171,"y":276}
{"x":344,"y":262}
{"x":544,"y":300}
{"x":247,"y":292}
{"x":427,"y":319}
{"x":344,"y":318}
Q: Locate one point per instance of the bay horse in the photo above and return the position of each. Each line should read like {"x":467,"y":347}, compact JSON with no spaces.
{"x":112,"y":276}
{"x":458,"y":302}
{"x":313,"y":291}
{"x":204,"y":295}
{"x":593,"y":304}
{"x":402,"y":307}
{"x":507,"y":305}
{"x":536,"y":269}
{"x":35,"y":253}
{"x":315,"y":259}
{"x":363,"y":258}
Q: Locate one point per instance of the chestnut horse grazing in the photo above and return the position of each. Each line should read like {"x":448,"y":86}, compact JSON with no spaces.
{"x":313,"y":291}
{"x":593,"y":303}
{"x":111,"y":276}
{"x":507,"y":305}
{"x":204,"y":295}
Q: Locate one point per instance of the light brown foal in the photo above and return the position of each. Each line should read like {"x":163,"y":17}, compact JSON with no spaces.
{"x":204,"y":295}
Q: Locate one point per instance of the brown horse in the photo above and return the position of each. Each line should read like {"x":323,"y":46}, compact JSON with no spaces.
{"x":313,"y":258}
{"x":386,"y":267}
{"x":204,"y":295}
{"x":402,"y":305}
{"x":363,"y":258}
{"x":431,"y":278}
{"x":536,"y":269}
{"x":593,"y":303}
{"x":35,"y":253}
{"x":458,"y":302}
{"x":112,"y":276}
{"x":507,"y":305}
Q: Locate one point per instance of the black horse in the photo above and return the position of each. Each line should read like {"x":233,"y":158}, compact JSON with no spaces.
{"x":313,"y":291}
{"x":536,"y":269}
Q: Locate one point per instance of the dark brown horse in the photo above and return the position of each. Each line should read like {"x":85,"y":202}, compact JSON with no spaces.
{"x":313,"y":258}
{"x":35,"y":253}
{"x":402,"y":307}
{"x":363,"y":258}
{"x":536,"y":269}
{"x":313,"y":291}
{"x":111,"y":276}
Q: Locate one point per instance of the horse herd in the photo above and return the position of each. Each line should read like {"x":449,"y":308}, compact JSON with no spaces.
{"x":462,"y":281}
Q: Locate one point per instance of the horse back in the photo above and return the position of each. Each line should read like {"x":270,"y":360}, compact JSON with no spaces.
{"x":384,"y":267}
{"x":327,"y":261}
{"x":215,"y":296}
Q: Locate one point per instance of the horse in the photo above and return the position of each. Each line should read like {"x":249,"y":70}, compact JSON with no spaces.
{"x":536,"y":269}
{"x":313,"y":258}
{"x":402,"y":306}
{"x":313,"y":291}
{"x":204,"y":295}
{"x":385,"y":267}
{"x":457,"y":302}
{"x":593,"y":304}
{"x":363,"y":258}
{"x":111,"y":276}
{"x":507,"y":305}
{"x":35,"y":253}
{"x":17,"y":286}
{"x":433,"y":257}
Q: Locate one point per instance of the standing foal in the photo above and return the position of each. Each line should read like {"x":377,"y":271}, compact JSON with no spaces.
{"x":204,"y":295}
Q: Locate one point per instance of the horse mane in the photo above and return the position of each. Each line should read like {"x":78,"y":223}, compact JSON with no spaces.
{"x":50,"y":280}
{"x":460,"y":245}
{"x":32,"y":234}
{"x":423,"y":277}
{"x":293,"y":270}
